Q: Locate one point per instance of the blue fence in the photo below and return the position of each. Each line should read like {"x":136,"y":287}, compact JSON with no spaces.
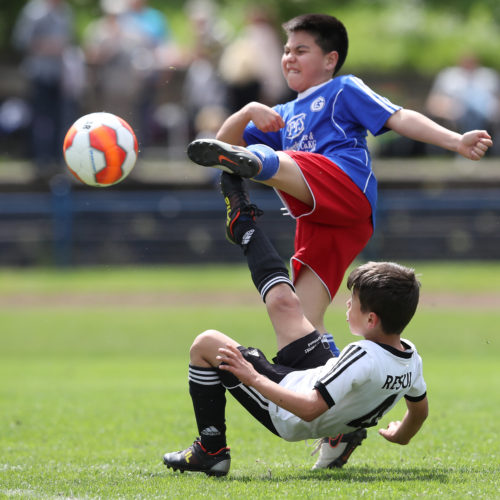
{"x":64,"y":226}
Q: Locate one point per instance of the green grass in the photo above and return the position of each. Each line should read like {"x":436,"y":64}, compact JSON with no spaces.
{"x":92,"y":396}
{"x":135,"y":279}
{"x":436,"y":276}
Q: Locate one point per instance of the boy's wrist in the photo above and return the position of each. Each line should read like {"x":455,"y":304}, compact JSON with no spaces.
{"x":256,"y":381}
{"x":246,"y":111}
{"x":456,"y":141}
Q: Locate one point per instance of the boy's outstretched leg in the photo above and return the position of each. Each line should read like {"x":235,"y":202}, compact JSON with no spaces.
{"x":266,"y":266}
{"x":263,"y":260}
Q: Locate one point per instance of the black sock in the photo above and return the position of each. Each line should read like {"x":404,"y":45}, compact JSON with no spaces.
{"x":209,"y":403}
{"x":266,"y":266}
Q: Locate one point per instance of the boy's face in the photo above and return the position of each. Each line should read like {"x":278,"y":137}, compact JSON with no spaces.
{"x":304,"y":64}
{"x":358,"y":320}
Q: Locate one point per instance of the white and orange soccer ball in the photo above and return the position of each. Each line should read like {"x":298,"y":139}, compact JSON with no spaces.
{"x":100,"y":149}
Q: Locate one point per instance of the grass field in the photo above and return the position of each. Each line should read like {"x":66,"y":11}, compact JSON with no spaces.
{"x":93,"y":389}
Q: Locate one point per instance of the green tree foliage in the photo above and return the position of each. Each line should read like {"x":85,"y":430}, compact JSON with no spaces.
{"x":385,"y":35}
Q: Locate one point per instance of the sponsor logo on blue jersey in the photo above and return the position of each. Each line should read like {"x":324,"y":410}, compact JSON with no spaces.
{"x":295,"y":126}
{"x":306,"y":143}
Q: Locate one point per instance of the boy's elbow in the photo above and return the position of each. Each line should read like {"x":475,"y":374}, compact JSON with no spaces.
{"x":309,"y":417}
{"x":311,"y":413}
{"x":425,"y":414}
{"x":424,"y":410}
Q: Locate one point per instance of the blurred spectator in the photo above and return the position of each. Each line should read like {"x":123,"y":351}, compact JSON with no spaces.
{"x":108,"y":50}
{"x":204,"y":92}
{"x":152,"y":55}
{"x":128,"y":50}
{"x":54,"y":67}
{"x":466,"y":96}
{"x":15,"y":124}
{"x":251,"y":64}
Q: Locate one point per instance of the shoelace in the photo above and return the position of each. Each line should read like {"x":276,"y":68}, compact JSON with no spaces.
{"x":317,"y":445}
{"x":254,"y":210}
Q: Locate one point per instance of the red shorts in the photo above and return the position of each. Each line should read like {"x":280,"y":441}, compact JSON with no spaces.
{"x":332,"y":233}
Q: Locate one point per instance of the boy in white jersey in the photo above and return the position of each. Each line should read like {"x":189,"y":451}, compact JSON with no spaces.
{"x":313,"y":151}
{"x":307,"y":392}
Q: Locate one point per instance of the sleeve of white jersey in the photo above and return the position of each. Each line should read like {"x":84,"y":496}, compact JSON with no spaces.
{"x":418,"y":389}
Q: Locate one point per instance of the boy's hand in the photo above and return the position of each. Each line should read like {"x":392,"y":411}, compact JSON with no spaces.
{"x":401,"y":432}
{"x":235,"y":363}
{"x":265,"y":118}
{"x":474,"y":144}
{"x":392,"y":434}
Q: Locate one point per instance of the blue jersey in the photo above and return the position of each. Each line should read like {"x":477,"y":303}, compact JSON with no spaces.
{"x":332,"y":120}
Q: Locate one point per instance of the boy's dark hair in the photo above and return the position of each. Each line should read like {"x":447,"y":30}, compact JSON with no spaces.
{"x":328,"y":32}
{"x":389,"y":290}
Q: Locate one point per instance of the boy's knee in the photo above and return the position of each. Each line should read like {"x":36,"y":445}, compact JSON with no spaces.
{"x":203,"y":340}
{"x":282,"y":300}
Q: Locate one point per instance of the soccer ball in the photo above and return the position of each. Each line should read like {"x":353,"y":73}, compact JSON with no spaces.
{"x":100,"y":149}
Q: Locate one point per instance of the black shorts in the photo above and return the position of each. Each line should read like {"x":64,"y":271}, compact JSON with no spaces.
{"x":307,"y":352}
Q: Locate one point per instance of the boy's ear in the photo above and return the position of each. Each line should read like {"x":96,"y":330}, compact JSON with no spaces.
{"x":332,"y":58}
{"x":373,"y":320}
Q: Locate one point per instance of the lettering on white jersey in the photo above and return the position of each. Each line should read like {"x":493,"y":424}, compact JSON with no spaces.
{"x":397,"y":382}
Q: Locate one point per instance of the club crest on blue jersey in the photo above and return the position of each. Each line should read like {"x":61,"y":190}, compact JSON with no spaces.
{"x":318,"y":104}
{"x":295,"y":126}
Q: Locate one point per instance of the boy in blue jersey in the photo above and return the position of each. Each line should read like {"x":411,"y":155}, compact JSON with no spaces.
{"x":313,"y":151}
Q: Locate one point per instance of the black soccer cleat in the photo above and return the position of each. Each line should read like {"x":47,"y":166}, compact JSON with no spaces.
{"x":233,"y":159}
{"x":237,"y":202}
{"x":197,"y":459}
{"x":335,"y":452}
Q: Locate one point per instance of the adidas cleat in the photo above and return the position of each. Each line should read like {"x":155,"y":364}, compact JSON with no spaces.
{"x":232,"y":159}
{"x":237,"y":202}
{"x":335,"y":452}
{"x":197,"y":459}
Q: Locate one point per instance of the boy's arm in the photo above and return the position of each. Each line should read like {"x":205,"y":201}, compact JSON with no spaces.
{"x":401,"y":432}
{"x":472,"y":145}
{"x":264,"y":118}
{"x":306,"y":406}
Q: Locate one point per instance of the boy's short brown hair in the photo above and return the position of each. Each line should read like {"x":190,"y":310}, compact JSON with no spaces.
{"x":328,"y":32}
{"x":389,"y":290}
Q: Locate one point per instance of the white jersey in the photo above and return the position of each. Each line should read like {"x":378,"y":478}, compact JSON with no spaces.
{"x":359,"y":386}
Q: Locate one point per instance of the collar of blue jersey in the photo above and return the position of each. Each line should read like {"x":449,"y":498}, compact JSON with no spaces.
{"x":310,"y":90}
